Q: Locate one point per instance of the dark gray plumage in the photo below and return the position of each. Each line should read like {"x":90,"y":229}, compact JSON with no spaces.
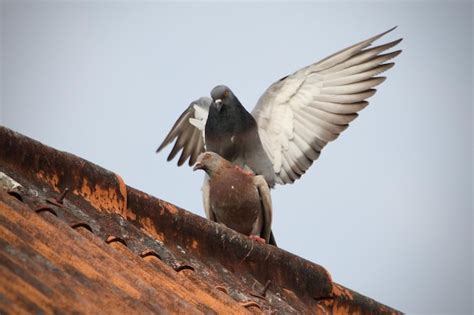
{"x":231,"y":132}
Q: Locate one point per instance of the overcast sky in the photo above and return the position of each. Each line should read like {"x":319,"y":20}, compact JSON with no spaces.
{"x":387,"y":208}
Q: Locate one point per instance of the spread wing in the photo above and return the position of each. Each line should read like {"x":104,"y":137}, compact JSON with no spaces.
{"x":188,"y":131}
{"x":298,"y":115}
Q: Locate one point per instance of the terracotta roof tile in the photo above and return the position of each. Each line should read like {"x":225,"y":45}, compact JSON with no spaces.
{"x":75,"y":238}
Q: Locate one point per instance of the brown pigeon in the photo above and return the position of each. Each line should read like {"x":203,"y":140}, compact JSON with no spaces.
{"x":237,"y":198}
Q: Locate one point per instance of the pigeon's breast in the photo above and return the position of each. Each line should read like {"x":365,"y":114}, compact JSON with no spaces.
{"x":222,"y":144}
{"x":227,"y":132}
{"x":235,"y":201}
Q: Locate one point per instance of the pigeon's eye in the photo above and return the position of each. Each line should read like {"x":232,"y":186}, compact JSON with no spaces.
{"x":226,"y":93}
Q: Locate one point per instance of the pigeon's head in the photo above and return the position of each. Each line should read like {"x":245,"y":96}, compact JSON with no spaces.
{"x":221,"y":95}
{"x":210,"y":162}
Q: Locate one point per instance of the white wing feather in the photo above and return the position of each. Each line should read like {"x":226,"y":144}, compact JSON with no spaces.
{"x":298,"y":115}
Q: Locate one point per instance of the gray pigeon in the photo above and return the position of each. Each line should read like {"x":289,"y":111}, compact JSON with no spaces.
{"x":292,"y":121}
{"x":231,"y":131}
{"x":237,"y":198}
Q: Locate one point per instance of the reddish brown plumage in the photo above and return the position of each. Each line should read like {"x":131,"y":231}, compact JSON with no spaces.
{"x":236,"y":197}
{"x":235,"y":200}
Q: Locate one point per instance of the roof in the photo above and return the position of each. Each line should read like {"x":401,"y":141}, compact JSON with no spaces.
{"x":74,"y":237}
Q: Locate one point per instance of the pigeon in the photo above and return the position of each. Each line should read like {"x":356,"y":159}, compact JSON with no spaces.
{"x":237,"y":198}
{"x":293,"y":120}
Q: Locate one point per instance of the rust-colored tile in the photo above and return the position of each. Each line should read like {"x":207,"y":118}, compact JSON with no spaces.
{"x":107,"y":246}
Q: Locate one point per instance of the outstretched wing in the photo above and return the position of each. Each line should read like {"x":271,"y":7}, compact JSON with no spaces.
{"x":298,"y":115}
{"x":188,"y":131}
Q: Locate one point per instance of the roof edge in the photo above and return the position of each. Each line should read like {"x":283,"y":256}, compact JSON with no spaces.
{"x":293,"y":277}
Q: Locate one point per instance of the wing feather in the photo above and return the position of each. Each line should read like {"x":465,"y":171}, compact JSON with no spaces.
{"x":336,"y":119}
{"x":358,"y":68}
{"x":309,"y":130}
{"x":358,"y":77}
{"x":181,"y":143}
{"x":310,"y":149}
{"x":286,"y":166}
{"x":197,"y":149}
{"x":364,"y":56}
{"x":345,"y":98}
{"x":301,"y":160}
{"x":353,"y":87}
{"x":338,"y":108}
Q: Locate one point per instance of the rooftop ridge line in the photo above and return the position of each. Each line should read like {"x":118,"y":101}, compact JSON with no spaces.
{"x":90,"y":185}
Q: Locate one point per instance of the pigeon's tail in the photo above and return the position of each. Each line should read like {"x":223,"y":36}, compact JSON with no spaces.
{"x":272,"y":241}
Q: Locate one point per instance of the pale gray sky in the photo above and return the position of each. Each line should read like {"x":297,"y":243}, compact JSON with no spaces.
{"x":387,"y":208}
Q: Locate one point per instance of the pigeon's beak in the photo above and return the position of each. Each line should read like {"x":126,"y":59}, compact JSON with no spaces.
{"x":198,"y":166}
{"x":218,"y":103}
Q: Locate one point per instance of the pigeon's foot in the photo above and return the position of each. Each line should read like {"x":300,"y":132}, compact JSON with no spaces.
{"x":257,"y":238}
